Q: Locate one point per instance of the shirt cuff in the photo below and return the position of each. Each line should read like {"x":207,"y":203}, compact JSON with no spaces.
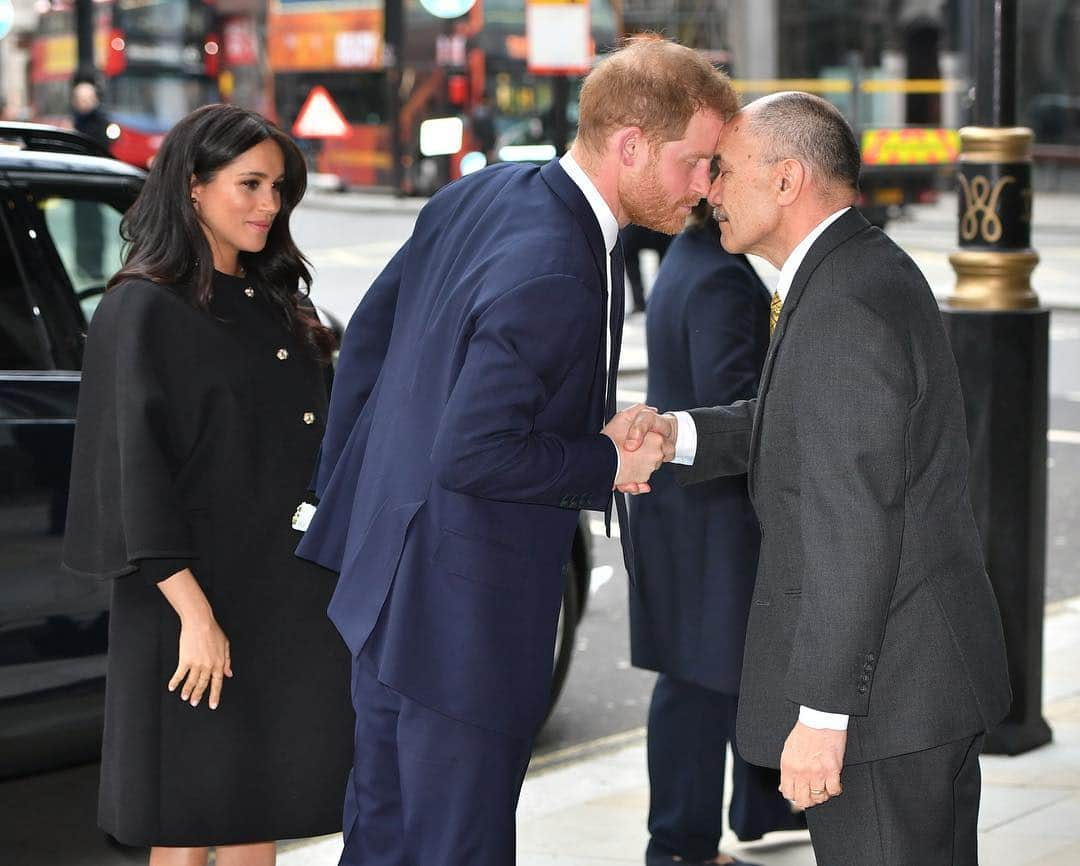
{"x":686,"y":442}
{"x":618,"y":463}
{"x":302,"y":516}
{"x":822,"y":720}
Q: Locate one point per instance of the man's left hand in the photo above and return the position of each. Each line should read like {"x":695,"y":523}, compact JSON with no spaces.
{"x":810,"y":765}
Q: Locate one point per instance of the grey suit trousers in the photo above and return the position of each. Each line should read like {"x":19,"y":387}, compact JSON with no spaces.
{"x":920,"y":809}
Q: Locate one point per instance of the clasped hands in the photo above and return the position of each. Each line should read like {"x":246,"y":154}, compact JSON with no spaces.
{"x":646,"y":440}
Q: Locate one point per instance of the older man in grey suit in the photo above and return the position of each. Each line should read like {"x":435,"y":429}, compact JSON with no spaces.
{"x":874,"y":652}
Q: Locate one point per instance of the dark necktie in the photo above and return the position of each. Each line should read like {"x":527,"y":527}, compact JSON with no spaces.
{"x":618,"y":304}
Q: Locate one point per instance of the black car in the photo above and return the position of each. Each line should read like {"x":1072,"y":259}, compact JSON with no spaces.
{"x":61,"y":201}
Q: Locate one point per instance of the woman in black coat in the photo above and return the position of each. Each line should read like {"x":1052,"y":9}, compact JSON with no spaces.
{"x":227,"y":719}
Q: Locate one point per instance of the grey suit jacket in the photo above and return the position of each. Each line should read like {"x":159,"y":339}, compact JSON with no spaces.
{"x":871,"y":597}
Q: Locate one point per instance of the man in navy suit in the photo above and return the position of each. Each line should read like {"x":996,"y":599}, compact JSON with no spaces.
{"x":695,"y":554}
{"x":466,"y":430}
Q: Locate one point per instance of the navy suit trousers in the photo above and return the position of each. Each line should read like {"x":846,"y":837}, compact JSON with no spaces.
{"x":690,"y":728}
{"x":426,"y":788}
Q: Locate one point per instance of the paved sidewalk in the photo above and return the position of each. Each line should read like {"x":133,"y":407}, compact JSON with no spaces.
{"x":587,"y":806}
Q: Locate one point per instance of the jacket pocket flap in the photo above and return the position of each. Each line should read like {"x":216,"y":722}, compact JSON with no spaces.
{"x":479,"y":558}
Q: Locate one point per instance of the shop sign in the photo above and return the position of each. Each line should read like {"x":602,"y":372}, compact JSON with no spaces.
{"x":241,"y":46}
{"x":316,"y":41}
{"x":559,"y":36}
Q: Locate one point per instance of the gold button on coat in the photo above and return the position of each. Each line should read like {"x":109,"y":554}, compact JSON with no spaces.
{"x":282,"y":354}
{"x":309,"y":417}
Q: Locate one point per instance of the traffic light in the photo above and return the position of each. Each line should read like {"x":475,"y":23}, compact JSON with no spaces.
{"x":457,"y":89}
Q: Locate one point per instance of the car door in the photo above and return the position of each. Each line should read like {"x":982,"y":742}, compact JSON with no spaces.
{"x":53,"y":626}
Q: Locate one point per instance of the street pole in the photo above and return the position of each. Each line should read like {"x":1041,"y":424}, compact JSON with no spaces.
{"x":560,"y":97}
{"x":393,"y":64}
{"x":85,"y":68}
{"x":1000,"y":336}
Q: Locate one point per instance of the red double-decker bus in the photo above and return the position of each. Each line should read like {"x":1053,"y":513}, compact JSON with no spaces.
{"x":157,"y":60}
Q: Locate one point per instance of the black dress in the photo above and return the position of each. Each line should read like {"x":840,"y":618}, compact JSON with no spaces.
{"x":195,"y":441}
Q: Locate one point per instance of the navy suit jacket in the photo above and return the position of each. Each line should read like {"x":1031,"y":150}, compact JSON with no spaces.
{"x":696,"y":548}
{"x":463,"y":437}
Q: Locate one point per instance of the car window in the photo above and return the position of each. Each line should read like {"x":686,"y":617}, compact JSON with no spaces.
{"x":86,"y":235}
{"x":23,"y":343}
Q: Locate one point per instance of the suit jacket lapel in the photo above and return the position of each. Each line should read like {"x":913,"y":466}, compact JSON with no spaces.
{"x":555,"y":176}
{"x":571,"y":195}
{"x":842,"y":230}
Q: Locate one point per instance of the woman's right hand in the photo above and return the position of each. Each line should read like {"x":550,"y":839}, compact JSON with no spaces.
{"x":203,"y":661}
{"x":204,"y":650}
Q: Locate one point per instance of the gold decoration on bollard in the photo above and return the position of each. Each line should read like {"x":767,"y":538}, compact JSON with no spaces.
{"x":988,"y":280}
{"x":992,"y":279}
{"x":995,"y":144}
{"x":980,"y":197}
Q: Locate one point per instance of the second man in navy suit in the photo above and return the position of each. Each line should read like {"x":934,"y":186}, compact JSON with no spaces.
{"x":696,"y":552}
{"x":466,"y":430}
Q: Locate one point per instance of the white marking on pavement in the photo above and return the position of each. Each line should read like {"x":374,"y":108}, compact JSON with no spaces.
{"x":631,"y":396}
{"x":600,"y":575}
{"x":596,"y":527}
{"x":1064,"y":437}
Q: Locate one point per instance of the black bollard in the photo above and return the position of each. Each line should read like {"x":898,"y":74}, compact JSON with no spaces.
{"x":1000,"y":337}
{"x":1002,"y":359}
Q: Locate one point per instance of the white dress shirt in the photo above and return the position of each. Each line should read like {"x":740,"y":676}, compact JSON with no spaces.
{"x":686,"y":440}
{"x":609,"y":227}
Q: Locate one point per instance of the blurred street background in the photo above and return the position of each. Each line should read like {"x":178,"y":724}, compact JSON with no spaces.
{"x":409,"y":94}
{"x":392,"y":99}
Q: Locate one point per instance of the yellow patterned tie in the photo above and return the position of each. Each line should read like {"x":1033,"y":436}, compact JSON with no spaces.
{"x":774,"y":312}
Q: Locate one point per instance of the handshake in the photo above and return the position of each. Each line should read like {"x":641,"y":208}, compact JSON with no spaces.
{"x":645,"y":440}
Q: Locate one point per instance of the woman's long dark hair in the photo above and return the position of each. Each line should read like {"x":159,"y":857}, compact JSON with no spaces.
{"x":166,"y":240}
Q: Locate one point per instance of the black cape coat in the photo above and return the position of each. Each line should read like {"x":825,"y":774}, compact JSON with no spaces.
{"x":196,"y":437}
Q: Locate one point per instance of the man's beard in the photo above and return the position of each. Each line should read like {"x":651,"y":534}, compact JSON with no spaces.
{"x":647,"y":204}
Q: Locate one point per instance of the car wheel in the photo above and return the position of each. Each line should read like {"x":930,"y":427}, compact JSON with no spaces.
{"x":569,"y":613}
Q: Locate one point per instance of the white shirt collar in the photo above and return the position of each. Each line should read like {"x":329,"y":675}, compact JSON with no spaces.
{"x":609,"y":226}
{"x":791,"y":264}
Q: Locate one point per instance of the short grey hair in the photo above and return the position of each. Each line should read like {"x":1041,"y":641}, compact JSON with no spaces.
{"x":802,"y":126}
